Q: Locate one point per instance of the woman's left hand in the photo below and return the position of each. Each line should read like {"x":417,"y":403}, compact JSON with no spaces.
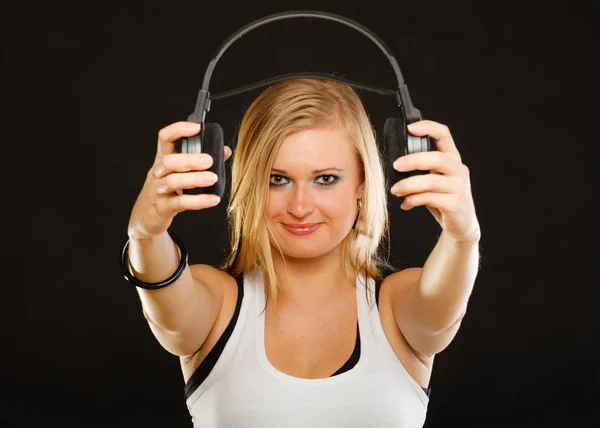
{"x":446,"y":191}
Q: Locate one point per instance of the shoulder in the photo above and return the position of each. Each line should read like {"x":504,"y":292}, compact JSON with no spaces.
{"x":392,"y":290}
{"x":394,"y":285}
{"x":218,"y":281}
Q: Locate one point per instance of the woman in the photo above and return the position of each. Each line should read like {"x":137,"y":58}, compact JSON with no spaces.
{"x":302,"y":326}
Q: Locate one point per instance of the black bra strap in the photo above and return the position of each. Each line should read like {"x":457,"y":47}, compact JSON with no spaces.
{"x":377,"y":288}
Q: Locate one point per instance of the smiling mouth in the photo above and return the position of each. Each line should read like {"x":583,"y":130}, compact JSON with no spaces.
{"x":302,"y":229}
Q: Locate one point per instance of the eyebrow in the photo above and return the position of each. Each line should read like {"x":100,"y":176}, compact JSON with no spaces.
{"x":317,"y":171}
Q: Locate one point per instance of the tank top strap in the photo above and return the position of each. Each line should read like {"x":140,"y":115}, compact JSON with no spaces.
{"x":365,"y":299}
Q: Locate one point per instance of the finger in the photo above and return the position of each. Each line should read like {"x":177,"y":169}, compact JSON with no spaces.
{"x":430,"y":161}
{"x":187,"y":180}
{"x":173,"y":132}
{"x":181,"y":162}
{"x":438,"y":131}
{"x":427,"y":183}
{"x":441,"y":201}
{"x":228,"y":152}
{"x":186,"y":202}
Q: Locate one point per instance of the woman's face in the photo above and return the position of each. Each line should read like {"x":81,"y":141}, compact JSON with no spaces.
{"x":314,"y":186}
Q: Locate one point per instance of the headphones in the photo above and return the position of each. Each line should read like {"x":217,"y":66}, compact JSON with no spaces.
{"x":397,"y":139}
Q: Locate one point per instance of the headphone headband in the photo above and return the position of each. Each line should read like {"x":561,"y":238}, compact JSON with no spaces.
{"x":210,"y":139}
{"x":203,"y":100}
{"x":301,"y":14}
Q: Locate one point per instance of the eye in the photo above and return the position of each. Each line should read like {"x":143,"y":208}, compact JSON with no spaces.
{"x":327,"y":179}
{"x":277,"y":180}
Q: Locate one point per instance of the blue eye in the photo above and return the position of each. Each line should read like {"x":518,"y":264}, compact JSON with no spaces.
{"x":327,"y":179}
{"x":277,"y":180}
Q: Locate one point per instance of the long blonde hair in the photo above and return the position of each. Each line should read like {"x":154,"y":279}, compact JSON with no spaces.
{"x":285,"y":108}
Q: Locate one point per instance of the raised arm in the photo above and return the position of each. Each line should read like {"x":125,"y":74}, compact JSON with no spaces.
{"x":430,"y":302}
{"x":181,"y":314}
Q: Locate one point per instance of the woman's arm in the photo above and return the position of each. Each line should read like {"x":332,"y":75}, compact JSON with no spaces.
{"x":182,"y":314}
{"x":429,"y":303}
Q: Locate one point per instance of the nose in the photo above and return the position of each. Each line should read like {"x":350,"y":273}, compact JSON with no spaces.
{"x":300,"y":203}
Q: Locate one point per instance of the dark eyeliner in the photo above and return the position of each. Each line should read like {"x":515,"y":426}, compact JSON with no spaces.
{"x":280,"y":184}
{"x":336,"y":178}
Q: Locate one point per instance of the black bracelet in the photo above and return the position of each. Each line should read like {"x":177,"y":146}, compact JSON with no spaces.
{"x":152,"y":286}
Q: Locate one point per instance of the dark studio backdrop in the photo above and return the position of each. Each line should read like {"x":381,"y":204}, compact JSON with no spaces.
{"x":89,"y":85}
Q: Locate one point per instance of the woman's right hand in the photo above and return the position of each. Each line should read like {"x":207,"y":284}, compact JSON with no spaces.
{"x":162,"y":197}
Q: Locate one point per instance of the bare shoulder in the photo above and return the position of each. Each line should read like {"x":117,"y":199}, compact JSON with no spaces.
{"x":393,"y":289}
{"x":405,"y":307}
{"x":394,"y":286}
{"x":218,"y":281}
{"x":397,"y":283}
{"x":224,"y":286}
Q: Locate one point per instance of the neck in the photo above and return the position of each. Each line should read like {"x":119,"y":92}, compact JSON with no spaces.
{"x":311,"y":281}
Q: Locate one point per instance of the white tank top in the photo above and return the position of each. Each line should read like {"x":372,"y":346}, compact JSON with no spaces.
{"x":243,"y":389}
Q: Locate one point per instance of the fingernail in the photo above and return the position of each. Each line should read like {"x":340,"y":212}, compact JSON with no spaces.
{"x":211,"y":178}
{"x":399,"y":163}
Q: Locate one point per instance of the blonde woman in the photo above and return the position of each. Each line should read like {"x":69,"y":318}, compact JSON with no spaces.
{"x":305,"y":325}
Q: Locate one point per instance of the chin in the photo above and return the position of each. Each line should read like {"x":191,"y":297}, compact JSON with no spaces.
{"x":304,"y":247}
{"x":294,"y":252}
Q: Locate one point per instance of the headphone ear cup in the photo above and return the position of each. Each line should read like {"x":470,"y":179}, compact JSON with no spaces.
{"x":399,"y":142}
{"x":209,"y":141}
{"x":415,"y":144}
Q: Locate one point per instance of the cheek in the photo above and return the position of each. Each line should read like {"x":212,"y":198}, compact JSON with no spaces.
{"x":336,"y":206}
{"x":275,"y":205}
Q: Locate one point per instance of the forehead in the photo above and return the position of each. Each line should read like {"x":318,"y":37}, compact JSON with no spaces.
{"x":316,"y":148}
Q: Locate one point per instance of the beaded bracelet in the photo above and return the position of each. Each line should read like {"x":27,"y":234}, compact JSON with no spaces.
{"x":152,"y":286}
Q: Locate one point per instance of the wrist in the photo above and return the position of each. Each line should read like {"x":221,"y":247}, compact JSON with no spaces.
{"x":470,"y":240}
{"x":128,"y":271}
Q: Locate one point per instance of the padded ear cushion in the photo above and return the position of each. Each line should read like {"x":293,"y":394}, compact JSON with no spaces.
{"x":209,"y":141}
{"x":213,"y":144}
{"x":394,"y":139}
{"x":399,"y":143}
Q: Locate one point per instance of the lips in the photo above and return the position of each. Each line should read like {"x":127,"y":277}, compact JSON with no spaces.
{"x":302,"y":228}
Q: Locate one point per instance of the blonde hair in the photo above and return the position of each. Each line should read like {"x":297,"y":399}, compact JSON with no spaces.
{"x":285,"y":108}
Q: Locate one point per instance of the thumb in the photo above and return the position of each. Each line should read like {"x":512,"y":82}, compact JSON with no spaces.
{"x":228,"y":152}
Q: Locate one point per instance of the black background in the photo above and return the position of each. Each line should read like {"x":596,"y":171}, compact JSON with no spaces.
{"x":88,"y":85}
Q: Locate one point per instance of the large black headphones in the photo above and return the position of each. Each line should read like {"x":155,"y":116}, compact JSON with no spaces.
{"x":397,"y":139}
